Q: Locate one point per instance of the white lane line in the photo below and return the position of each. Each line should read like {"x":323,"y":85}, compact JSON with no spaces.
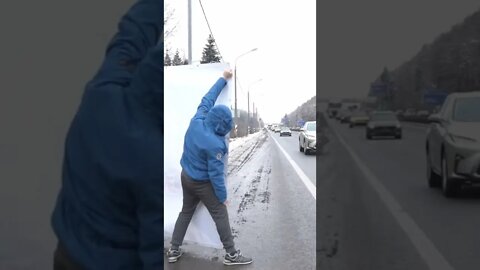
{"x":306,"y":181}
{"x":427,"y":250}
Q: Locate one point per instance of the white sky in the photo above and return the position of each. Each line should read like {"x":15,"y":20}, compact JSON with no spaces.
{"x":284,"y":33}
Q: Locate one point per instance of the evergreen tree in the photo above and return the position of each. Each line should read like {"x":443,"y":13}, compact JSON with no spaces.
{"x":385,"y":77}
{"x":177,"y":61}
{"x":167,"y":59}
{"x":210,"y":53}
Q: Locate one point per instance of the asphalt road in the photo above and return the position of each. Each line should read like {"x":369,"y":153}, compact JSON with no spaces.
{"x":271,"y":212}
{"x":305,"y":162}
{"x":377,"y":211}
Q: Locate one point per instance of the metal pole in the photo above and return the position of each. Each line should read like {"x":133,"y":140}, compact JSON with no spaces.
{"x":253,"y":107}
{"x":248,"y":112}
{"x":190,"y":32}
{"x":235,"y":75}
{"x":235,"y":85}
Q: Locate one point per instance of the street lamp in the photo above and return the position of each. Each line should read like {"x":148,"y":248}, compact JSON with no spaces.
{"x":248,"y":100}
{"x":235,"y":75}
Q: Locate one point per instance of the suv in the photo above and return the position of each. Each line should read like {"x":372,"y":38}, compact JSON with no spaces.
{"x":453,"y":143}
{"x":307,"y":140}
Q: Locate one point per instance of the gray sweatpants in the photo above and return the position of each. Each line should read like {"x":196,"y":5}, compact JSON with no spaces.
{"x":193,"y":193}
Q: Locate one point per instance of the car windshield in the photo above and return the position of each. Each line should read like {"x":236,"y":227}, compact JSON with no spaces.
{"x":383,"y":117}
{"x":312,"y":127}
{"x":467,"y":110}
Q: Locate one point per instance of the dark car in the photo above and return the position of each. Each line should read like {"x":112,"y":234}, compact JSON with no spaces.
{"x":285,"y":131}
{"x":383,"y":123}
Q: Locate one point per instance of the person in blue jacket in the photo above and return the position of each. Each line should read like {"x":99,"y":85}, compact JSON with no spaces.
{"x":109,"y":210}
{"x":203,"y":173}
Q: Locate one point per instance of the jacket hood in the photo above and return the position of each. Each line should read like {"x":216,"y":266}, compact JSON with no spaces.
{"x":219,"y":119}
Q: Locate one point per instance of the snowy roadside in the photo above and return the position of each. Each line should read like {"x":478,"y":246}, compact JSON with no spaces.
{"x":243,"y":141}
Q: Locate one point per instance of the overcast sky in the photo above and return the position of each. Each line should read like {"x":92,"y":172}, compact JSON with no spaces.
{"x":358,"y":38}
{"x":284,"y":33}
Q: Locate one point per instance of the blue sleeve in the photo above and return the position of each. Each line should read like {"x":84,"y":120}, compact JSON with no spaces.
{"x":138,"y":32}
{"x":208,"y":101}
{"x":216,"y":173}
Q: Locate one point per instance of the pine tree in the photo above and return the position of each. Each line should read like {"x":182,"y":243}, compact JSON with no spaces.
{"x":177,"y":61}
{"x":210,"y":53}
{"x":167,"y":59}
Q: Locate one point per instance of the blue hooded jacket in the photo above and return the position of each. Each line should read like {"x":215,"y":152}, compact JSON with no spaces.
{"x":205,"y":148}
{"x":109,"y":211}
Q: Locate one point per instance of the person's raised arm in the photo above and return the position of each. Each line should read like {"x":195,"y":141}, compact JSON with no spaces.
{"x":208,"y":101}
{"x":138,"y":31}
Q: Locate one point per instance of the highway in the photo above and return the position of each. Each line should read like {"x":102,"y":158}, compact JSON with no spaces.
{"x":375,"y":210}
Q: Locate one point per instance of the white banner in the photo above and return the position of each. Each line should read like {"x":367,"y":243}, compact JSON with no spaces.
{"x":184,"y":88}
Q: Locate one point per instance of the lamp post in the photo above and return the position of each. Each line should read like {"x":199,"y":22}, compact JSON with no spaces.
{"x":248,"y":100}
{"x":235,"y":75}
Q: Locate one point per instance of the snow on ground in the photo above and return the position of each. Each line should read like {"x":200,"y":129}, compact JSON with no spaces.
{"x":241,"y":141}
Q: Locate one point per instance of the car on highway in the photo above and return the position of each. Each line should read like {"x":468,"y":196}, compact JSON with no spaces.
{"x":285,"y":131}
{"x":339,"y":115}
{"x":333,"y":108}
{"x":409,"y":114}
{"x":453,"y":143}
{"x":423,"y":114}
{"x":277,"y":129}
{"x":346,"y":117}
{"x":307,"y":139}
{"x":358,"y":118}
{"x":383,"y":123}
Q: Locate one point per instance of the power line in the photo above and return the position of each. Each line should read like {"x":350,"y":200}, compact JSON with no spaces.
{"x":210,"y":29}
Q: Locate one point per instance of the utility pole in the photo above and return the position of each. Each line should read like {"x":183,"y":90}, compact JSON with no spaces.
{"x":248,"y":112}
{"x":190,"y":32}
{"x":253,"y":109}
{"x":235,"y":75}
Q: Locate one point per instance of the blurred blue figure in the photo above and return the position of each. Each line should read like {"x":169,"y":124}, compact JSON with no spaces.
{"x":109,"y":211}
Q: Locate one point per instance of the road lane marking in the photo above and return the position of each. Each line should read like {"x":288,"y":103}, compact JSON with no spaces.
{"x":306,"y":181}
{"x":427,"y":250}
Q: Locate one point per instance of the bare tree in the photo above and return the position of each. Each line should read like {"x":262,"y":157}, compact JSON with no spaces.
{"x":169,"y":25}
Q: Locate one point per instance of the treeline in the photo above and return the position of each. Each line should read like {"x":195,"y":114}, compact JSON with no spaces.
{"x":210,"y":54}
{"x":451,"y":63}
{"x":305,"y":112}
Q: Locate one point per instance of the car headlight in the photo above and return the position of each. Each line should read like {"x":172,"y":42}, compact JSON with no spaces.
{"x":461,"y":139}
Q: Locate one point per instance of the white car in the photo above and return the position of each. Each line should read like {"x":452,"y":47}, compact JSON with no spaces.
{"x":307,"y":140}
{"x":453,"y":144}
